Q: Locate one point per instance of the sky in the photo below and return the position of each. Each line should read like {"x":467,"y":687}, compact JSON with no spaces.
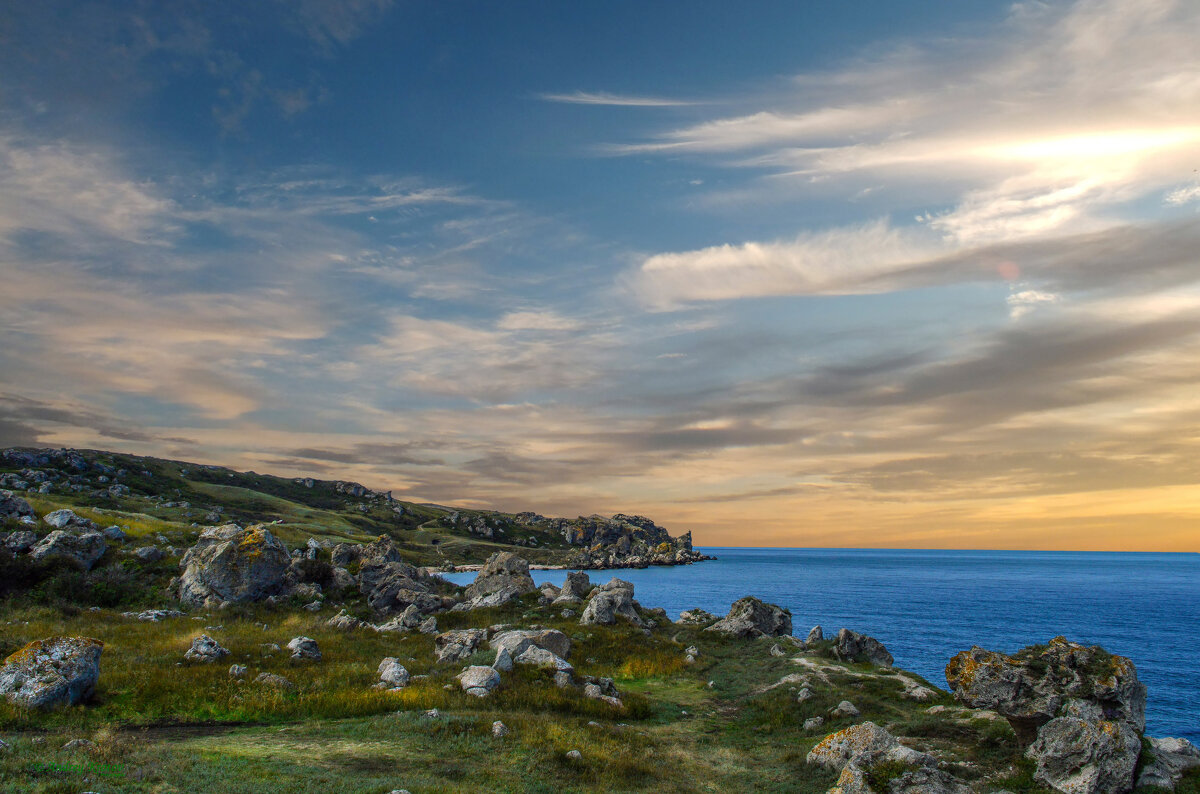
{"x":895,"y":274}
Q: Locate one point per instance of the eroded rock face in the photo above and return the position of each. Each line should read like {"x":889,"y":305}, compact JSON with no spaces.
{"x":518,"y":640}
{"x":609,"y":601}
{"x":504,"y":576}
{"x":1172,"y":757}
{"x":1034,"y":685}
{"x":58,"y":671}
{"x":1078,"y":756}
{"x":749,"y":618}
{"x":393,"y":587}
{"x":84,"y":549}
{"x":229,"y":564}
{"x":852,"y":646}
{"x":454,"y":645}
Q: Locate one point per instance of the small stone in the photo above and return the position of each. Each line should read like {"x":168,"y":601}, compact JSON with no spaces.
{"x":812,"y":723}
{"x":777,"y":651}
{"x":304,"y":648}
{"x":562,"y":679}
{"x":80,"y":744}
{"x":574,"y":755}
{"x":432,"y":714}
{"x":392,"y":673}
{"x":845,"y":709}
{"x":238,"y":671}
{"x":277,"y":681}
{"x":205,"y":649}
{"x":499,"y":729}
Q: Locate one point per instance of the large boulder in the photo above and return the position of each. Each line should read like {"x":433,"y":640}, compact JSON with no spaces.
{"x":855,"y":779}
{"x":1168,"y":760}
{"x":749,"y":617}
{"x":609,"y":601}
{"x":1080,"y":756}
{"x":575,"y":589}
{"x":14,"y":506}
{"x":392,"y":587}
{"x":452,"y":646}
{"x":83,"y":549}
{"x":205,"y":649}
{"x":58,"y":671}
{"x":852,"y":646}
{"x":1038,"y":683}
{"x":518,"y":641}
{"x":66,"y":519}
{"x":867,"y":744}
{"x":478,"y":680}
{"x":504,"y":576}
{"x":229,"y":564}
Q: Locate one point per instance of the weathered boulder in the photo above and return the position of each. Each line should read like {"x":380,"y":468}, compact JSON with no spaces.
{"x":303,"y":648}
{"x":609,"y":601}
{"x":392,"y":674}
{"x":344,"y":621}
{"x":238,"y":670}
{"x":229,"y":564}
{"x":852,"y":646}
{"x":575,"y":589}
{"x":392,"y":586}
{"x":517,"y":641}
{"x":923,"y":780}
{"x":478,"y":680}
{"x":1079,"y":756}
{"x":14,"y":506}
{"x":115,"y":533}
{"x":844,"y":709}
{"x":503,"y":662}
{"x":749,"y":617}
{"x":540,"y":657}
{"x":815,"y":634}
{"x":504,"y":576}
{"x":66,"y":519}
{"x":57,"y":671}
{"x":1170,"y":759}
{"x":697,"y":617}
{"x":866,"y":743}
{"x":205,"y":649}
{"x":455,"y":645}
{"x":83,"y":549}
{"x":149,"y":553}
{"x":1032,"y":687}
{"x":20,"y":541}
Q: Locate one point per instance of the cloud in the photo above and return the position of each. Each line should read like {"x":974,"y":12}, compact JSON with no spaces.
{"x":1023,"y":302}
{"x":616,"y":100}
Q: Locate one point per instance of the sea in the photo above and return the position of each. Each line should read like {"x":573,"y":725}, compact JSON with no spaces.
{"x":926,"y":606}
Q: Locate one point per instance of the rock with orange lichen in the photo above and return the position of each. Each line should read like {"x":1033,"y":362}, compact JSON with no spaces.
{"x":1081,"y":756}
{"x":1041,"y":682}
{"x":865,"y":744}
{"x":229,"y":564}
{"x":58,"y":671}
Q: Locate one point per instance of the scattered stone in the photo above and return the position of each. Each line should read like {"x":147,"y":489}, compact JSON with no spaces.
{"x":392,"y":673}
{"x":432,"y":714}
{"x":866,"y":743}
{"x":1076,"y":756}
{"x":499,"y":729}
{"x":1172,"y":757}
{"x":63,"y":519}
{"x":273,"y":680}
{"x":153,"y":615}
{"x":205,"y":649}
{"x":750,"y":618}
{"x":812,"y":723}
{"x":20,"y":541}
{"x":229,"y":564}
{"x":540,"y":657}
{"x":84,"y":549}
{"x":804,"y":694}
{"x":574,"y":755}
{"x":115,"y":533}
{"x":777,"y":651}
{"x":567,"y":614}
{"x":563,"y":679}
{"x":238,"y":671}
{"x":52,"y":672}
{"x":12,"y":506}
{"x":459,"y":644}
{"x":86,"y":745}
{"x":517,"y":641}
{"x":478,"y":680}
{"x":304,"y":648}
{"x":504,"y":662}
{"x":697,"y":617}
{"x":609,"y":601}
{"x":852,"y":646}
{"x":845,"y":709}
{"x":149,"y":553}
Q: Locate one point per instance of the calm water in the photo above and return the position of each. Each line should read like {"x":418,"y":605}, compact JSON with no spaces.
{"x":925,"y":606}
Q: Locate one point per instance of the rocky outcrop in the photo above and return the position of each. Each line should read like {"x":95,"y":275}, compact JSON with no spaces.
{"x":58,"y":671}
{"x":575,"y":589}
{"x":83,"y":549}
{"x":749,"y":618}
{"x":517,"y":641}
{"x":865,"y":744}
{"x":229,"y":564}
{"x":609,"y":601}
{"x":455,"y":645}
{"x":393,"y":587}
{"x":1081,"y":756}
{"x":1036,"y":684}
{"x":852,"y":646}
{"x":504,"y":577}
{"x":1167,"y":760}
{"x":697,"y":617}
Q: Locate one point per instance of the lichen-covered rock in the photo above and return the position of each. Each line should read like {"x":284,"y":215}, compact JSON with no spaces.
{"x":14,"y":506}
{"x":540,"y":657}
{"x":57,"y":671}
{"x":229,"y":564}
{"x":452,"y":646}
{"x":854,"y":646}
{"x":18,"y":542}
{"x":609,"y":601}
{"x":1033,"y":686}
{"x":504,"y":576}
{"x":575,"y":589}
{"x":516,"y":641}
{"x":205,"y":649}
{"x":273,"y":680}
{"x":749,"y":617}
{"x":478,"y":680}
{"x":923,"y":780}
{"x":1077,"y":756}
{"x":392,"y":674}
{"x":1170,"y":759}
{"x":697,"y":617}
{"x":866,"y":743}
{"x":83,"y":549}
{"x":304,"y":648}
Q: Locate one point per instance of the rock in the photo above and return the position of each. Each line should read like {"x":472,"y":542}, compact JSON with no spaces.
{"x":804,"y":694}
{"x":277,"y":681}
{"x":115,"y":533}
{"x":749,"y":618}
{"x":567,"y":614}
{"x":86,"y":745}
{"x":925,"y":781}
{"x":1076,"y":756}
{"x":812,"y":723}
{"x":844,"y":709}
{"x":777,"y":651}
{"x":153,"y":615}
{"x":697,"y":617}
{"x":392,"y":673}
{"x":64,"y":519}
{"x":609,"y":601}
{"x":229,"y":564}
{"x":1031,"y":687}
{"x":852,"y":646}
{"x":815,"y":634}
{"x":499,"y":729}
{"x":238,"y":670}
{"x":407,"y":620}
{"x":15,"y":507}
{"x":518,"y":640}
{"x":574,"y":755}
{"x":304,"y":648}
{"x":205,"y":649}
{"x":563,"y":679}
{"x":455,"y":645}
{"x":20,"y":541}
{"x":345,"y":622}
{"x":392,"y":586}
{"x":432,"y":714}
{"x":575,"y":589}
{"x":478,"y":680}
{"x":1171,"y":758}
{"x":84,"y":549}
{"x":58,"y":671}
{"x":504,"y":576}
{"x":342,"y":579}
{"x":540,"y":657}
{"x":867,"y":743}
{"x":504,"y":662}
{"x":428,"y":625}
{"x":149,"y":553}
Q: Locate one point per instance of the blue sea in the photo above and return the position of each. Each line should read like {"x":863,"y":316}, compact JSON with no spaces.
{"x":925,"y":606}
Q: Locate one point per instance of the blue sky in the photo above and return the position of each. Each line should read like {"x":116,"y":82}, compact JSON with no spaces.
{"x":909,"y":274}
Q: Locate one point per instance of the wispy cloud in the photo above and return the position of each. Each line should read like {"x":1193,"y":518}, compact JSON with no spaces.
{"x":616,"y":100}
